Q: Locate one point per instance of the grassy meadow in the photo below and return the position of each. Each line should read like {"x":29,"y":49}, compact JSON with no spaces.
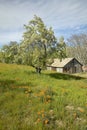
{"x":46,"y":101}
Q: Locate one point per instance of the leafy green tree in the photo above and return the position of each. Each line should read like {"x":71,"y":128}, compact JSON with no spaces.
{"x":37,"y":43}
{"x":9,"y":52}
{"x":60,"y":49}
{"x":1,"y":56}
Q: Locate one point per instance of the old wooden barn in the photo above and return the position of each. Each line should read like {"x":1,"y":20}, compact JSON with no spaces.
{"x":67,"y":65}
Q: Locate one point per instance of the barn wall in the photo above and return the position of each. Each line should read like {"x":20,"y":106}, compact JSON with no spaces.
{"x":53,"y":68}
{"x":73,"y":67}
{"x":48,"y":68}
{"x":59,"y":70}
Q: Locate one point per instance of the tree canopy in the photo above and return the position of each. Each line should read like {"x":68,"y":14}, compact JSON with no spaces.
{"x":37,"y":42}
{"x":8,"y":52}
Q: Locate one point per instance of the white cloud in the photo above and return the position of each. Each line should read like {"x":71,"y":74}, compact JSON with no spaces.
{"x":59,"y":14}
{"x":5,"y":38}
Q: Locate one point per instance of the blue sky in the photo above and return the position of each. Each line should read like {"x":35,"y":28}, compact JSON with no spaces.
{"x":67,"y":17}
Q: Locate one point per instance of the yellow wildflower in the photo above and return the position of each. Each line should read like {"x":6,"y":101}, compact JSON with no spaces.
{"x":43,"y":115}
{"x":39,"y":113}
{"x":75,"y":115}
{"x":46,"y":121}
{"x":38,"y":120}
{"x":80,"y":109}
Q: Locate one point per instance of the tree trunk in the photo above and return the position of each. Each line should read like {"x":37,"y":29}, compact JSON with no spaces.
{"x":38,"y":70}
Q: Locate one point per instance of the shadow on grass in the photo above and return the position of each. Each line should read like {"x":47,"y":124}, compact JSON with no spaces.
{"x":6,"y":82}
{"x":65,"y":76}
{"x":11,"y":83}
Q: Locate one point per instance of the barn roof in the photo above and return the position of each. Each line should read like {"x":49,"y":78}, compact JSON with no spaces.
{"x":58,"y":63}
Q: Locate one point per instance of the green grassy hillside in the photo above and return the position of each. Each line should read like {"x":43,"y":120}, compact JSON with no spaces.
{"x":49,"y":101}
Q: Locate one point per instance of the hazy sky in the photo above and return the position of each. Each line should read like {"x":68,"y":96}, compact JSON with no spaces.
{"x":65,"y":16}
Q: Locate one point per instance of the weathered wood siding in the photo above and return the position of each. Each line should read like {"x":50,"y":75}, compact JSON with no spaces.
{"x":73,"y":67}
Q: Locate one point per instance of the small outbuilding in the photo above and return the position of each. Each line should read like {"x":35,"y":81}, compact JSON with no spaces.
{"x":67,"y":65}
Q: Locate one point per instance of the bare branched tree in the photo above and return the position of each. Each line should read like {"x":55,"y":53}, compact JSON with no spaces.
{"x":77,"y":47}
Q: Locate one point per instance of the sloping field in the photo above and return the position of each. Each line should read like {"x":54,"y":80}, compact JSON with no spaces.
{"x":49,"y":101}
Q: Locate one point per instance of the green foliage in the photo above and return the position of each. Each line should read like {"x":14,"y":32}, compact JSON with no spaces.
{"x":9,"y":52}
{"x":61,"y":49}
{"x":49,"y":101}
{"x":37,"y":42}
{"x":1,"y":56}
